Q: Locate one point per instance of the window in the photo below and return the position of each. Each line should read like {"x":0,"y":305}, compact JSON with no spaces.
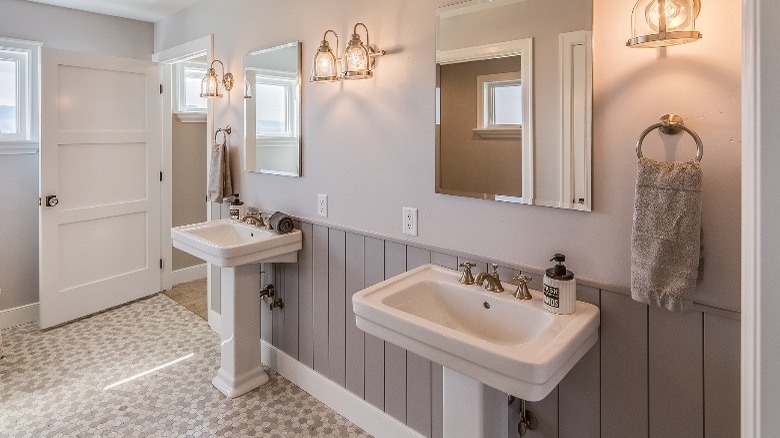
{"x":18,"y":91}
{"x":276,"y":116}
{"x":499,"y":105}
{"x":190,"y":107}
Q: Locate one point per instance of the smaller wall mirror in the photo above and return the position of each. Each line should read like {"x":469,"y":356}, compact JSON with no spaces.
{"x":272,"y":110}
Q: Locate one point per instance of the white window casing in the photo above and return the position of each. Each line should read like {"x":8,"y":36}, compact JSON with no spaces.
{"x":25,"y":55}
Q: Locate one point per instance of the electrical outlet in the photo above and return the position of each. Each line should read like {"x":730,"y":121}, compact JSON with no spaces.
{"x":322,"y":205}
{"x":410,"y":221}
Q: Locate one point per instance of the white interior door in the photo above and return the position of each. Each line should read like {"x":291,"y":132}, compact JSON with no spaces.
{"x":100,"y":156}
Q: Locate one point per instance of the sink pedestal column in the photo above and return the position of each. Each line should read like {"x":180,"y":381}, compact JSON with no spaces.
{"x":473,"y":409}
{"x":241,"y":370}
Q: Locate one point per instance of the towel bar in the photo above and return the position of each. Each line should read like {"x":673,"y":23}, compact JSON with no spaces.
{"x":225,"y":131}
{"x":671,"y":124}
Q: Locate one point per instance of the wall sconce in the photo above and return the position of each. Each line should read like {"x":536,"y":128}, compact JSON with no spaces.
{"x":209,"y":87}
{"x":659,"y":23}
{"x":325,"y":67}
{"x":247,"y":89}
{"x":358,"y":59}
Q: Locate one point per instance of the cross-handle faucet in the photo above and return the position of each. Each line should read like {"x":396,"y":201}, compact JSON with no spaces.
{"x":522,"y":292}
{"x":467,"y":278}
{"x":252,"y":218}
{"x":493,"y":283}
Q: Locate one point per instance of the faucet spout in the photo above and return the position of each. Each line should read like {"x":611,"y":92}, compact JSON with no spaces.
{"x":492,"y":285}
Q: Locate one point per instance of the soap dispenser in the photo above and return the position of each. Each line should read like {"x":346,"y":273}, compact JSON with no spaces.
{"x":560,"y":289}
{"x":236,"y":208}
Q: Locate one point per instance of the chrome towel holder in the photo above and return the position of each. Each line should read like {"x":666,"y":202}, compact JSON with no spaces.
{"x":671,"y":124}
{"x":225,"y":132}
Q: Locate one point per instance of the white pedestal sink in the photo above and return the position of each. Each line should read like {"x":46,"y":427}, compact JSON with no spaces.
{"x":490,"y":344}
{"x":238,"y":249}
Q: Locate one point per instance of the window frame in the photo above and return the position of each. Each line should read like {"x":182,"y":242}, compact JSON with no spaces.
{"x":26,"y":54}
{"x":182,"y":71}
{"x":486,"y":85}
{"x":290,"y":81}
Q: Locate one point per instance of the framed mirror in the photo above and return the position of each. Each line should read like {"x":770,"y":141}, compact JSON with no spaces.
{"x":272,"y":110}
{"x":513,"y":101}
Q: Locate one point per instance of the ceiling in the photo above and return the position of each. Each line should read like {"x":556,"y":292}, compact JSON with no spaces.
{"x":144,"y":10}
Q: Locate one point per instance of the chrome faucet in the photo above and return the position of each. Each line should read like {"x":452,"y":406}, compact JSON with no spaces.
{"x":253,"y":218}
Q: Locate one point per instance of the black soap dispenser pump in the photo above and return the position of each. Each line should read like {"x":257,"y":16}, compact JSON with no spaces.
{"x":560,"y":289}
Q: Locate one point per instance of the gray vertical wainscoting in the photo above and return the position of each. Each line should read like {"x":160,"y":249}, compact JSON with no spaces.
{"x":652,"y":373}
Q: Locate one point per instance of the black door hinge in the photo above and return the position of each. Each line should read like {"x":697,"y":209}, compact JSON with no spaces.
{"x":161,"y":263}
{"x":160,"y":88}
{"x":161,"y":176}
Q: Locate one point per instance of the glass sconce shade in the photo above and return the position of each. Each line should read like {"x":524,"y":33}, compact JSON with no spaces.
{"x":325,"y":66}
{"x":247,"y":89}
{"x":357,"y":57}
{"x":658,"y":23}
{"x":209,"y":87}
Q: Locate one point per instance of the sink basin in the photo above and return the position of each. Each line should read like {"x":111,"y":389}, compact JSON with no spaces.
{"x":511,"y":345}
{"x":228,"y":244}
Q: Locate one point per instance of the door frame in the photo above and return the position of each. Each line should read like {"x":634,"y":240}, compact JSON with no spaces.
{"x":167,"y":58}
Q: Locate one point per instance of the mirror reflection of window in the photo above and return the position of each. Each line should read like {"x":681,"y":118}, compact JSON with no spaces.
{"x":505,"y":104}
{"x":271,"y":117}
{"x":8,"y":102}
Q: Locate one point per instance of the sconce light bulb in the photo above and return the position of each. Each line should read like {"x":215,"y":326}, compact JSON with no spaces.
{"x":677,"y":15}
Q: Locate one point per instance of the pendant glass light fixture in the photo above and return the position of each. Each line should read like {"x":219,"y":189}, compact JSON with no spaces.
{"x":209,"y":87}
{"x":325,"y":67}
{"x":659,"y":23}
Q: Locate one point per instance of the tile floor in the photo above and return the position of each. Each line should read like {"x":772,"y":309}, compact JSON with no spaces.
{"x":75,"y":381}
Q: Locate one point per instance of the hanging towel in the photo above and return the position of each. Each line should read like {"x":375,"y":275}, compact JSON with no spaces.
{"x":666,"y":236}
{"x":220,"y":184}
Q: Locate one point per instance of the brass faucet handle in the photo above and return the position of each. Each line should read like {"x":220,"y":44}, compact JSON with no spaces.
{"x":522,"y":278}
{"x":467,"y":278}
{"x":522,"y":292}
{"x":495,"y":271}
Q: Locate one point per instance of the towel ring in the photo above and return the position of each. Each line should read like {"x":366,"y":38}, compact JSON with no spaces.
{"x":225,"y":131}
{"x":671,"y":124}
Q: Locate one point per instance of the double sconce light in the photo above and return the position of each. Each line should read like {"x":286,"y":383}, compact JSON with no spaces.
{"x":659,"y":23}
{"x":357,"y":62}
{"x":209,"y":87}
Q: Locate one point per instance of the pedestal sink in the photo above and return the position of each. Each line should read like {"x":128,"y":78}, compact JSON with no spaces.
{"x":238,"y":249}
{"x":490,"y":344}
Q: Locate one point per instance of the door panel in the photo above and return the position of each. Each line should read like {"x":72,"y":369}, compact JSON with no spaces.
{"x":101,"y":156}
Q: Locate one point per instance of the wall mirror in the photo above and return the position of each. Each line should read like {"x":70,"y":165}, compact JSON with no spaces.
{"x":272,"y":110}
{"x":513,"y":101}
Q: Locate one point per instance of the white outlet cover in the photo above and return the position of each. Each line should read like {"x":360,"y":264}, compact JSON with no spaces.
{"x":409,"y":223}
{"x":322,"y":205}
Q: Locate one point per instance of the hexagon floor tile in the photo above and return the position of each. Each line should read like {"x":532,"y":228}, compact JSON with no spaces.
{"x":92,"y":378}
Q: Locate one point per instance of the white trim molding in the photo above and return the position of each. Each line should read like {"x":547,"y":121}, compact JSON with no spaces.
{"x":576,"y":79}
{"x":191,"y":116}
{"x":20,"y":147}
{"x":19,"y":315}
{"x":366,"y":416}
{"x":191,"y":273}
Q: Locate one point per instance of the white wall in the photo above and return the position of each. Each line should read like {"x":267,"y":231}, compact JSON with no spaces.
{"x":370,"y":144}
{"x":64,"y":29}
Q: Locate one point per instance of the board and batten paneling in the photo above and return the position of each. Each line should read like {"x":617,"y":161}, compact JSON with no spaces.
{"x":651,"y":373}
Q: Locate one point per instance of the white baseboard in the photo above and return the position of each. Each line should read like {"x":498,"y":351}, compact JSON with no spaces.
{"x":353,"y":408}
{"x":19,"y":315}
{"x":188,"y":274}
{"x":215,"y":321}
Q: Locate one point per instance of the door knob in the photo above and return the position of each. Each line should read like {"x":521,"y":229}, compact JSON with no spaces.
{"x":51,"y":201}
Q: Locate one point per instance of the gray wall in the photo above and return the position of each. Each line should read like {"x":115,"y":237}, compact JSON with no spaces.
{"x":64,"y":29}
{"x":387,"y":160}
{"x":189,"y":182}
{"x":652,"y":373}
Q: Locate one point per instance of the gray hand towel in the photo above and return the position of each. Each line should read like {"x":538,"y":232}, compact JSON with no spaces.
{"x":281,"y":223}
{"x":220,"y":183}
{"x":666,"y":237}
